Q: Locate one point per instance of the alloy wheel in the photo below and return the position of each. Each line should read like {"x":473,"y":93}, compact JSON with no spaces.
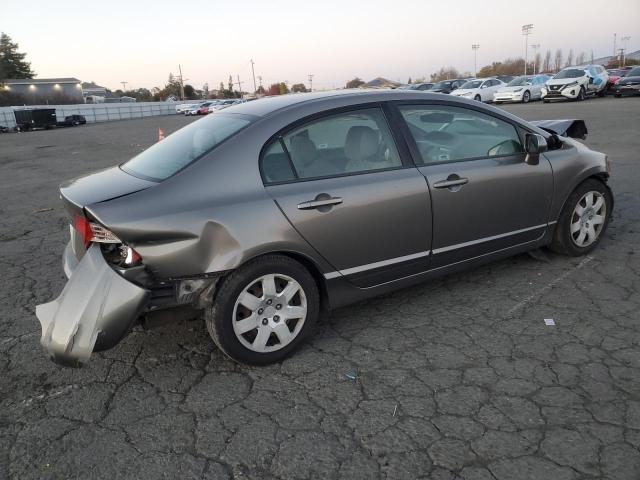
{"x":588,"y":219}
{"x":269,"y":313}
{"x":526,"y":97}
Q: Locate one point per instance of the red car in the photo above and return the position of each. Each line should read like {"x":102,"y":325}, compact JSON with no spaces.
{"x":615,"y":74}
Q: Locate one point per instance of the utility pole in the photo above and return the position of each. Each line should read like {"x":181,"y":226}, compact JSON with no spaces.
{"x":260,"y":80}
{"x":254,"y":77}
{"x":624,"y":40}
{"x":240,"y":86}
{"x":311,"y":82}
{"x":535,"y":56}
{"x":124,"y":86}
{"x":615,"y":45}
{"x":181,"y":83}
{"x":526,"y":31}
{"x":475,"y":48}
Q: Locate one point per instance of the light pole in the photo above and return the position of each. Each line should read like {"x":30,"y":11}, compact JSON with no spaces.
{"x":254,"y":77}
{"x":526,"y":30}
{"x":535,"y":56}
{"x":475,"y":48}
{"x":311,"y":82}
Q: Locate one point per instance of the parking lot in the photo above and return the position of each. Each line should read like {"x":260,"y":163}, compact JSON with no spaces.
{"x":457,"y":378}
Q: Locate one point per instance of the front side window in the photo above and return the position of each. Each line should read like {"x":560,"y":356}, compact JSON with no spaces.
{"x":444,"y":134}
{"x":353,"y":142}
{"x":183,"y":147}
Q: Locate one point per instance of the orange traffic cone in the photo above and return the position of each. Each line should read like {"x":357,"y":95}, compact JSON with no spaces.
{"x":160,"y":134}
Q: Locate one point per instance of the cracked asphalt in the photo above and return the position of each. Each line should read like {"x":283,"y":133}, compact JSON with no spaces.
{"x":454,"y":379}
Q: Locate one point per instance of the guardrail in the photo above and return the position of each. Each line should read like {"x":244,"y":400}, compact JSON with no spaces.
{"x":98,"y":112}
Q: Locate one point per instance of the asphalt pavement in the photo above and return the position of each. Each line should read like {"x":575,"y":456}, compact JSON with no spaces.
{"x":455,"y":379}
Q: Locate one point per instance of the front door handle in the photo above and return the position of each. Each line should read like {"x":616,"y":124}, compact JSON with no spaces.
{"x":452,"y":181}
{"x":308,"y":205}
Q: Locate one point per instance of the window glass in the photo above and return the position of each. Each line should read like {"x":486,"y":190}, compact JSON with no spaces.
{"x":445,"y":134}
{"x":352,"y":142}
{"x":276,"y":166}
{"x":179,"y":149}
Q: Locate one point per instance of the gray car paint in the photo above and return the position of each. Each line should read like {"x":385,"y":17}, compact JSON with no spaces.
{"x":217,"y":214}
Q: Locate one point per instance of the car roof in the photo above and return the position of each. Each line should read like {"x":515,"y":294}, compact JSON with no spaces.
{"x":318,"y":101}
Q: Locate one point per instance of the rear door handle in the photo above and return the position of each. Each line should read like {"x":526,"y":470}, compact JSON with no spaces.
{"x":319,"y":203}
{"x":451,"y":182}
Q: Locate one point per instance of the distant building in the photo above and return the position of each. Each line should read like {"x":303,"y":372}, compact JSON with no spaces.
{"x":381,"y":83}
{"x":90,"y":88}
{"x":40,"y":91}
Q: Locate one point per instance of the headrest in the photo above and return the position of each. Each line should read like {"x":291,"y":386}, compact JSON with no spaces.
{"x":361,"y":143}
{"x":303,"y":150}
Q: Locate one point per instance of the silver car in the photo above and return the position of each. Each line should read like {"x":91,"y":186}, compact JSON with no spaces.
{"x":521,"y":89}
{"x":261,"y":216}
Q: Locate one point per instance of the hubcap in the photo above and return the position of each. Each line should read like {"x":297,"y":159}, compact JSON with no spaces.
{"x":588,"y":218}
{"x":269,"y":313}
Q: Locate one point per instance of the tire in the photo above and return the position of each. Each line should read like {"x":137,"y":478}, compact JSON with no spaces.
{"x":261,"y":344}
{"x":603,"y":93}
{"x":617,"y":95}
{"x":581,"y":95}
{"x":568,"y":243}
{"x":477,"y":98}
{"x":526,"y":96}
{"x":545,"y":101}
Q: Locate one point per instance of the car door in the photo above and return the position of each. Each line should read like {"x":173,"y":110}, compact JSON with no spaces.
{"x":484,"y":196}
{"x":343,"y":184}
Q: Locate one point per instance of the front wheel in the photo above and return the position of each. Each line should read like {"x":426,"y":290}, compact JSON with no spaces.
{"x":526,"y":96}
{"x":584,"y":219}
{"x":264,"y":310}
{"x":478,"y":98}
{"x":581,"y":95}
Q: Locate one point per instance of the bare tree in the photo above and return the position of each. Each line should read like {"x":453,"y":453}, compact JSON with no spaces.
{"x":537,"y":62}
{"x":581,"y":58}
{"x":546,"y":65}
{"x":557,"y":60}
{"x":570,"y":58}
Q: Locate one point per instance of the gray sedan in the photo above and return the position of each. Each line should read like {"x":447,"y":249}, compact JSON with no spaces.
{"x":259,"y":217}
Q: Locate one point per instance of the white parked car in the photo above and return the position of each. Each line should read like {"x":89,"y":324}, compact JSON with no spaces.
{"x":575,"y":83}
{"x":183,"y":107}
{"x":521,"y":89}
{"x":480,"y":89}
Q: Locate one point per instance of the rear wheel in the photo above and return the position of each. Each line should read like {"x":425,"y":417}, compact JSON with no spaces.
{"x":526,"y":96}
{"x":584,"y":219}
{"x":478,"y":98}
{"x":602,"y":93}
{"x":581,"y":95}
{"x":264,"y":310}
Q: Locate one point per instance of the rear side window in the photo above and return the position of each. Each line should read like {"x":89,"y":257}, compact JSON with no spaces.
{"x":181,"y":148}
{"x":346,"y":143}
{"x":444,"y":134}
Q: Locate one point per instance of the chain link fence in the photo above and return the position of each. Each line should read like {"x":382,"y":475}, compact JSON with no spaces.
{"x":99,"y":112}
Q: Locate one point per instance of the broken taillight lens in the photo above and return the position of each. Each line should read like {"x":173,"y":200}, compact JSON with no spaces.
{"x":93,"y":232}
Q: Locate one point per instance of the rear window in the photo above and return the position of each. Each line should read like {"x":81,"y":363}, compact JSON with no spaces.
{"x":183,"y":147}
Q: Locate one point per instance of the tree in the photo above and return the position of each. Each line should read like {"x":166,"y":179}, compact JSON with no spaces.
{"x":283,"y":88}
{"x":298,"y":87}
{"x":569,"y":58}
{"x":445,"y":73}
{"x":537,"y":62}
{"x":557,"y":60}
{"x":355,"y":83}
{"x":190,"y":92}
{"x":12,"y":63}
{"x":409,"y":81}
{"x":581,"y":58}
{"x":231,"y":83}
{"x":546,"y":65}
{"x":274,"y":89}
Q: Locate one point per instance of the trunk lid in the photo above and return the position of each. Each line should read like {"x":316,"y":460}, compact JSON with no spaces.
{"x":99,"y":187}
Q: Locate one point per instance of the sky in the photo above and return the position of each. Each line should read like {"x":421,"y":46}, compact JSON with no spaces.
{"x":142,"y":41}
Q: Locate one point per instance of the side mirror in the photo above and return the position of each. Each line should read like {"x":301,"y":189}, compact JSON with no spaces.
{"x":534,"y":145}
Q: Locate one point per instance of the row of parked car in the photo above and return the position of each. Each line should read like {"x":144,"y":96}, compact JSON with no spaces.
{"x":204,"y":108}
{"x":571,"y":83}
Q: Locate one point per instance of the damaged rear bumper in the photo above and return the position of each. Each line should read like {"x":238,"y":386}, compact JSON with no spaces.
{"x":95,"y":310}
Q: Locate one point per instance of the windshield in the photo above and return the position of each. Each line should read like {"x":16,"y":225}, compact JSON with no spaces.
{"x":472,"y":84}
{"x":570,"y":73}
{"x":441,"y":85}
{"x":520,"y":81}
{"x":181,"y":148}
{"x":634,"y":72}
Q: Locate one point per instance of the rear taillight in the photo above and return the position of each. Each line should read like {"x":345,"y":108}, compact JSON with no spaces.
{"x":93,"y":232}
